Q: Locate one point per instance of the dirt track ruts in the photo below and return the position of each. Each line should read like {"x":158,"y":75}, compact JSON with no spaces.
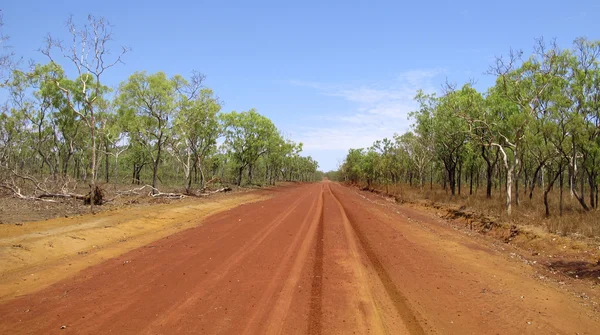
{"x":317,"y":259}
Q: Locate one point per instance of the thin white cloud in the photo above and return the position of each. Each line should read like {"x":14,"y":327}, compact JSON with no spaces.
{"x":380,"y":111}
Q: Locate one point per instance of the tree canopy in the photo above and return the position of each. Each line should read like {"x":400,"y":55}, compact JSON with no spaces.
{"x":539,"y":121}
{"x":154,"y":128}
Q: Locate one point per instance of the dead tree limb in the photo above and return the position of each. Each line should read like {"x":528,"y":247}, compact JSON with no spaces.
{"x":224,"y":189}
{"x":154,"y":192}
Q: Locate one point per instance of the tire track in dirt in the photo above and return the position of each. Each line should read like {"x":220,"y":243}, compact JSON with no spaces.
{"x":228,"y":264}
{"x":281,"y":308}
{"x":281,"y":275}
{"x":372,"y":319}
{"x":400,"y":303}
{"x":453,"y":286}
{"x":316,"y":259}
{"x":315,"y":316}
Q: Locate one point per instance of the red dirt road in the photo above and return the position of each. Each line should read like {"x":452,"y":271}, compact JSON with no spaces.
{"x":314,"y":259}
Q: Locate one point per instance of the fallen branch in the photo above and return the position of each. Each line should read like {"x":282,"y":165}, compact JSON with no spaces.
{"x":135,"y":191}
{"x":224,"y":189}
{"x":154,"y":192}
{"x":17,"y":193}
{"x":57,"y":195}
{"x":41,"y":192}
{"x":168,"y":195}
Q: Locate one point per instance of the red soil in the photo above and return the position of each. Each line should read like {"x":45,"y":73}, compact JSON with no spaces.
{"x":317,"y":259}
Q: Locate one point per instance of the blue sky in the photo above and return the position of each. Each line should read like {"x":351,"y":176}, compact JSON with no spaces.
{"x":332,"y":74}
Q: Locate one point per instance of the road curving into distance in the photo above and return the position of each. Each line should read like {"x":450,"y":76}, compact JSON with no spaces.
{"x":313,"y":259}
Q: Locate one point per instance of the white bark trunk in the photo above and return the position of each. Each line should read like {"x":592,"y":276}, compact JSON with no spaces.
{"x":509,"y":172}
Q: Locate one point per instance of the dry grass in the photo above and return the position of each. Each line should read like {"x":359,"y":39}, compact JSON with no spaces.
{"x":574,"y":221}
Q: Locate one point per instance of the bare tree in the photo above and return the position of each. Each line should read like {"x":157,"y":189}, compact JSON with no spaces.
{"x":89,"y":53}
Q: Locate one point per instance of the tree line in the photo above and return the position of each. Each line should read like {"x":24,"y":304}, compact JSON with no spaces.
{"x":152,"y":128}
{"x":536,"y":127}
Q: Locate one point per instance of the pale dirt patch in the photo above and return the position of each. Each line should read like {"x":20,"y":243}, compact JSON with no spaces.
{"x":37,"y":254}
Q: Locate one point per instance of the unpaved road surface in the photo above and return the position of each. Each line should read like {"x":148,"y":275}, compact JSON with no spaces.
{"x":313,"y":259}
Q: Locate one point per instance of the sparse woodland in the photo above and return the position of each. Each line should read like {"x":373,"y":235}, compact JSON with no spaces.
{"x":532,"y":138}
{"x":153,"y":130}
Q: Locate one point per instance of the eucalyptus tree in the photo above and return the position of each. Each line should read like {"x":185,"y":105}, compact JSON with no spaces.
{"x":521,"y":87}
{"x":148,"y":103}
{"x":12,"y":140}
{"x":276,"y":158}
{"x":440,"y":119}
{"x":419,"y":150}
{"x":112,"y":138}
{"x":583,"y":92}
{"x":292,"y":152}
{"x":197,"y":128}
{"x":472,"y":161}
{"x":89,"y":54}
{"x":36,"y":110}
{"x":541,"y":117}
{"x":247,"y":138}
{"x":307,"y":169}
{"x":369,"y":166}
{"x":388,"y":162}
{"x":352,"y":167}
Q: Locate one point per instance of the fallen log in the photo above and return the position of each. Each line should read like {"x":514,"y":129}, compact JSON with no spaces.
{"x":41,"y":191}
{"x":224,"y":189}
{"x":17,"y":194}
{"x":57,"y":195}
{"x":154,"y":192}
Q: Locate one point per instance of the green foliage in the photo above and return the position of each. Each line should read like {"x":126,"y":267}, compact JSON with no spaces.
{"x":541,"y":117}
{"x":158,"y":129}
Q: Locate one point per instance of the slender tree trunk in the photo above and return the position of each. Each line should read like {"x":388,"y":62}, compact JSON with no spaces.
{"x":580,"y":197}
{"x":543,"y":181}
{"x":459,"y":176}
{"x":250,"y":166}
{"x":471,"y":181}
{"x":582,"y":184}
{"x":490,"y":180}
{"x":509,"y":172}
{"x":155,"y":169}
{"x":93,"y":183}
{"x":490,"y":165}
{"x":535,"y":177}
{"x":445,"y":181}
{"x":548,"y":188}
{"x":452,"y":180}
{"x":117,"y":167}
{"x":591,"y":180}
{"x":517,"y":189}
{"x":201,"y":176}
{"x":431,"y":178}
{"x":240,"y":171}
{"x":267,"y":174}
{"x":187,"y":171}
{"x":106,"y":164}
{"x":573,"y":170}
{"x":560,"y":206}
{"x":525,"y":180}
{"x":596,"y":195}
